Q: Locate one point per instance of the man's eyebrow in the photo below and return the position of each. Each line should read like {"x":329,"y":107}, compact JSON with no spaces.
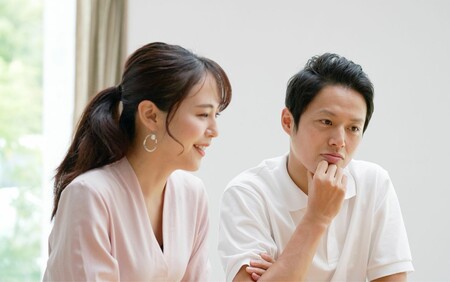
{"x":327,"y":112}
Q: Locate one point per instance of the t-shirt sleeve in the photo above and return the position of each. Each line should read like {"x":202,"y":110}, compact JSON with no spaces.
{"x":79,"y":245}
{"x":198,"y":266}
{"x":390,"y":251}
{"x":244,"y":229}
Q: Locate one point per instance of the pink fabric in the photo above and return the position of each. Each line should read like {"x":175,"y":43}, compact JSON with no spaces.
{"x":102,"y":231}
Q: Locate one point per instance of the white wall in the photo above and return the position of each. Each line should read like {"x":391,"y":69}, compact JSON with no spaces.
{"x":404,"y":46}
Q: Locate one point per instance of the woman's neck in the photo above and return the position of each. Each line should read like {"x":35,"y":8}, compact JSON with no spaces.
{"x":150,"y":172}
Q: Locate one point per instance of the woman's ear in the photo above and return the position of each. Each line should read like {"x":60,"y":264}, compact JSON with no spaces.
{"x":287,"y":121}
{"x":148,"y":114}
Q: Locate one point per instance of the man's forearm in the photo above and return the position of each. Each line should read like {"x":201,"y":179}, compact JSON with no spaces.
{"x":295,"y":260}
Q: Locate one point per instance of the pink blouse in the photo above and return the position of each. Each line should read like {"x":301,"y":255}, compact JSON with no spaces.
{"x":102,"y":231}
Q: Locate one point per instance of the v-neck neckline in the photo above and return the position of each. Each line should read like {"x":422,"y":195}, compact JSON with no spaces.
{"x":154,"y":242}
{"x":162,"y":250}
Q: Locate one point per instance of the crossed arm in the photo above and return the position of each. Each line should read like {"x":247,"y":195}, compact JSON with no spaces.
{"x":326,"y":191}
{"x":293,"y":264}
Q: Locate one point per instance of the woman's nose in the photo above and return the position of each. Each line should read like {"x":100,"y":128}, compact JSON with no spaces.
{"x":212,"y":131}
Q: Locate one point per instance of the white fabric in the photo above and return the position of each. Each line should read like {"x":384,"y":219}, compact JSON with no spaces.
{"x":262,"y":206}
{"x":101,"y":37}
{"x":102,"y":231}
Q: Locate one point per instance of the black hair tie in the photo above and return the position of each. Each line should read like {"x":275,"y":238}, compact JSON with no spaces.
{"x":119,"y":91}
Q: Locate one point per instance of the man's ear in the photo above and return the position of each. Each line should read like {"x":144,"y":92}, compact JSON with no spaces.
{"x":287,"y":121}
{"x":148,"y":114}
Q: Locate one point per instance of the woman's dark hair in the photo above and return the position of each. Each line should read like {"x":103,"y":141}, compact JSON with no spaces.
{"x":159,"y":72}
{"x":321,"y":71}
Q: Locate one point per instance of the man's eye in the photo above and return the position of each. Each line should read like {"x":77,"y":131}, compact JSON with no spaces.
{"x":326,"y":122}
{"x":355,"y":129}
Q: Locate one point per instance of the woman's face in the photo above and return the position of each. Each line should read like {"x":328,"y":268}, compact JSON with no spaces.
{"x":193,"y":125}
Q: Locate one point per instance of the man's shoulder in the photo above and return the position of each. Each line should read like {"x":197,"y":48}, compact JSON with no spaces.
{"x":362,"y":168}
{"x":369,"y":178}
{"x":259,"y":176}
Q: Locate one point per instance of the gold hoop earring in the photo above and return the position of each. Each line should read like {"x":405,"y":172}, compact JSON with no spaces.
{"x":152,"y":137}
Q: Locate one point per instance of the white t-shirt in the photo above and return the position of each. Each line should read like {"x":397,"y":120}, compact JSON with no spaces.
{"x":262,"y":206}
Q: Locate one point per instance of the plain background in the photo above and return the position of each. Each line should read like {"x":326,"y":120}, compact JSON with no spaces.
{"x":404,"y":47}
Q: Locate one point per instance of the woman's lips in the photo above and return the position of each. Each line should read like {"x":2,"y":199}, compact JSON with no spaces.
{"x":201,"y":149}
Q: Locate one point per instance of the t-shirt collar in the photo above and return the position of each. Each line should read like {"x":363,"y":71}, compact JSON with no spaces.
{"x":293,"y":197}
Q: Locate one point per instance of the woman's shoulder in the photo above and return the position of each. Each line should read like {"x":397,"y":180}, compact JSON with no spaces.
{"x":95,"y":177}
{"x":186,"y":182}
{"x":102,"y":179}
{"x":185,"y":177}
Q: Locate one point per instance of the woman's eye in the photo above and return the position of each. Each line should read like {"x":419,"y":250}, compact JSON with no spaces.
{"x":207,"y":115}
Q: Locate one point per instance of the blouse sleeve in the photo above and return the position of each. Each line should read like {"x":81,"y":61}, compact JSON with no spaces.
{"x":198,"y":266}
{"x":79,"y":245}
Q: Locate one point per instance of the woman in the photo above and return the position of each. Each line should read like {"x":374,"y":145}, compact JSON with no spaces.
{"x":123,"y":208}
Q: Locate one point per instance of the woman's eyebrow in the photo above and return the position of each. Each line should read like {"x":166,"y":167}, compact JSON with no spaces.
{"x":205,"y":106}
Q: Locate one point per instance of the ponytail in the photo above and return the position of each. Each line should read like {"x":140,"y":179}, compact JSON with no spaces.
{"x":98,"y":141}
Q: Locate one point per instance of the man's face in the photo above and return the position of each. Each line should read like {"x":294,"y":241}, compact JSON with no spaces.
{"x":329,"y":129}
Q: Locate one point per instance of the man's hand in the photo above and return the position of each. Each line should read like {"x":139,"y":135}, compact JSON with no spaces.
{"x":258,"y":267}
{"x":326,"y":191}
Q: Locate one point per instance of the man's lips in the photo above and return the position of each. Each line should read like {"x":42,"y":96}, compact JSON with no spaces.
{"x":332,"y":158}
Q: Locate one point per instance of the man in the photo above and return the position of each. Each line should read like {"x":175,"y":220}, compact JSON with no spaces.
{"x":320,"y":214}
